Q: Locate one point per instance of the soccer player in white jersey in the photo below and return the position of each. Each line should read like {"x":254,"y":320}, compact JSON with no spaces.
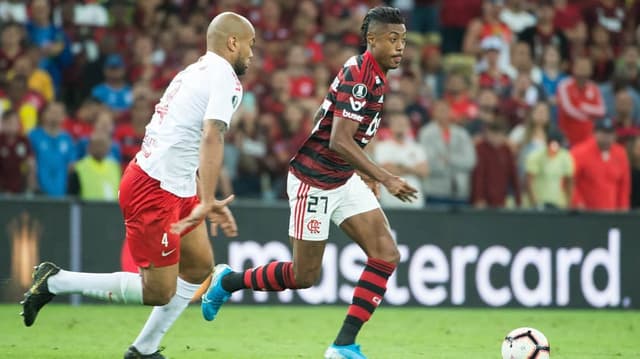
{"x":172,"y":178}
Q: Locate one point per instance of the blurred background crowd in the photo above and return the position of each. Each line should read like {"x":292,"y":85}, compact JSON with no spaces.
{"x":497,"y":104}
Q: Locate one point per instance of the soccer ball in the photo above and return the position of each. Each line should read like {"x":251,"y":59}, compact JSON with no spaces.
{"x":525,"y":343}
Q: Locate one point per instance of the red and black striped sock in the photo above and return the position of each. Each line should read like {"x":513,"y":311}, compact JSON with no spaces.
{"x":273,"y":277}
{"x":366,"y":297}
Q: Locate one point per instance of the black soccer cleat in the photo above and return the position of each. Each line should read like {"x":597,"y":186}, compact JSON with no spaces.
{"x":133,"y":353}
{"x":38,"y":295}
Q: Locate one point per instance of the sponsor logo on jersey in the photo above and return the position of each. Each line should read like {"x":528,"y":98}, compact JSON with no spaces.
{"x":357,"y":105}
{"x":352,"y":116}
{"x":359,"y":91}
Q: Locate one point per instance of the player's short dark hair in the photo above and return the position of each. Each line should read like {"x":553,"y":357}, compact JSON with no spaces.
{"x":382,"y":14}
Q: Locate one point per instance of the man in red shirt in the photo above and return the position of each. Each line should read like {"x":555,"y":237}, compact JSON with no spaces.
{"x":16,"y":157}
{"x":602,"y":179}
{"x":579,"y":103}
{"x":495,"y":171}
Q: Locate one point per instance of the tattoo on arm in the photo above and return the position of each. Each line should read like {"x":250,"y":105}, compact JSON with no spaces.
{"x":221,"y":127}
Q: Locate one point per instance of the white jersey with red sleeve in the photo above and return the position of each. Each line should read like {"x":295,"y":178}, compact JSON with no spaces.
{"x":206,"y":90}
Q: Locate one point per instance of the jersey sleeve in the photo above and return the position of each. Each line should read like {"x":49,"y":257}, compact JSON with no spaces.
{"x":352,"y":96}
{"x":222,"y":99}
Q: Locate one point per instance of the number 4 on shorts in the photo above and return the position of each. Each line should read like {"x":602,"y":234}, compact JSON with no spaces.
{"x":165,"y":240}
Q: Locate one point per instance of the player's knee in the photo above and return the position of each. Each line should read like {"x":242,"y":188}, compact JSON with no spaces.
{"x":157,"y":298}
{"x":306,"y":279}
{"x":196,"y":275}
{"x":388,"y":252}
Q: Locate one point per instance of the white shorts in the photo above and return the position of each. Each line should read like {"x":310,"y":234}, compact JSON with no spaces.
{"x":312,"y":208}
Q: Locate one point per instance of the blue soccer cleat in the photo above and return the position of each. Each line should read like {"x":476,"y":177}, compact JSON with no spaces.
{"x":351,"y":351}
{"x":215,"y":296}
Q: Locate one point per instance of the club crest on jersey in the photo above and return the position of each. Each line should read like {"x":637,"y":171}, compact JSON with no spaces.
{"x":359,"y":91}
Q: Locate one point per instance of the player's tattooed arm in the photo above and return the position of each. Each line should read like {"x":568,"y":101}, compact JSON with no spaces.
{"x":222,"y":128}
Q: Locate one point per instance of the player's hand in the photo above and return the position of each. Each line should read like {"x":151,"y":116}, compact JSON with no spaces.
{"x":398,"y":187}
{"x":224,"y":218}
{"x":198,"y":213}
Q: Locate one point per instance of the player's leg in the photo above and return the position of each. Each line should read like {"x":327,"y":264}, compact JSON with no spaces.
{"x":361,"y":218}
{"x":147,"y":211}
{"x":196,"y":261}
{"x":309,"y":223}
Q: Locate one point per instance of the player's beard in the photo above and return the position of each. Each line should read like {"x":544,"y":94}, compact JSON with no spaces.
{"x":239,"y":66}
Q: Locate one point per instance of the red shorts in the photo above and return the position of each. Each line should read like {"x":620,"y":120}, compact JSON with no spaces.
{"x":148,"y":214}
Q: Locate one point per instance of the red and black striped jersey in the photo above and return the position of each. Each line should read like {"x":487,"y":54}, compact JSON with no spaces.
{"x":356,"y":94}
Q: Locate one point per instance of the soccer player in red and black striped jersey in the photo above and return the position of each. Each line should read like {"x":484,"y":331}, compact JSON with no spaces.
{"x":324,"y":185}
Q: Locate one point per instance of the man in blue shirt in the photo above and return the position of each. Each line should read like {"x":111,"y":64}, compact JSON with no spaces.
{"x":114,"y":92}
{"x":54,"y":151}
{"x":50,"y":39}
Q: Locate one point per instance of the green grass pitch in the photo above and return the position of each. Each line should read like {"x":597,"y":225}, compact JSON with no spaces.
{"x":105,"y":331}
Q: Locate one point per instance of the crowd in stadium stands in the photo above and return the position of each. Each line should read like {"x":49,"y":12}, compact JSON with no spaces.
{"x":512,"y":103}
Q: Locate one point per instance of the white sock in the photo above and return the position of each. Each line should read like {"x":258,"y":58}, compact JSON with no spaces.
{"x":162,"y":318}
{"x":118,"y":287}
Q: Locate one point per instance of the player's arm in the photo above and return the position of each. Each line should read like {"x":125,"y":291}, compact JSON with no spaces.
{"x":211,"y":155}
{"x":211,"y":150}
{"x":342,"y":142}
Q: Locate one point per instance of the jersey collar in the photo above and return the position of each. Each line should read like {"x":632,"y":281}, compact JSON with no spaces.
{"x":369,"y":57}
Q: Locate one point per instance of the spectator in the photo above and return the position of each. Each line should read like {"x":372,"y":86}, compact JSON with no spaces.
{"x":50,"y":39}
{"x":131,"y":133}
{"x":549,"y":175}
{"x":634,"y":157}
{"x":601,"y":52}
{"x":54,"y":151}
{"x":602,"y":174}
{"x":301,"y":83}
{"x":296,"y":127}
{"x":251,"y":142}
{"x":579,"y":103}
{"x":416,"y":107}
{"x":487,"y":111}
{"x":451,"y":158}
{"x":25,"y":102}
{"x":488,"y":25}
{"x":522,"y":63}
{"x":455,"y":17}
{"x":566,"y":15}
{"x":403,"y":157}
{"x":630,"y":63}
{"x":610,"y":14}
{"x":424,"y":16}
{"x":495,"y":172}
{"x":432,"y":72}
{"x":627,"y":127}
{"x":37,"y":80}
{"x":531,"y":135}
{"x":552,"y":74}
{"x":114,"y":92}
{"x":544,"y":34}
{"x":578,"y":37}
{"x":462,"y":109}
{"x":516,"y":16}
{"x":96,"y":176}
{"x":81,"y":125}
{"x":10,"y":46}
{"x":492,"y":77}
{"x":523,"y":95}
{"x":16,"y":157}
{"x":102,"y":125}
